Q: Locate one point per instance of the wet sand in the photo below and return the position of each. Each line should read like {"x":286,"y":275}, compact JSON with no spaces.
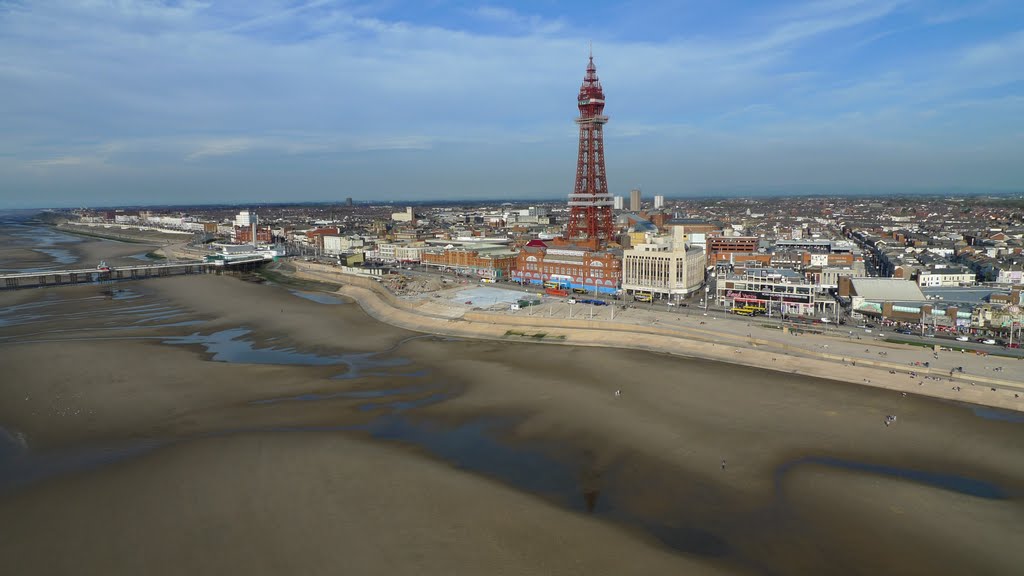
{"x":19,"y":250}
{"x":465,"y":456}
{"x":308,"y":504}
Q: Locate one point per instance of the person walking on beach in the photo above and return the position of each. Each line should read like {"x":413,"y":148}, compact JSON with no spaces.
{"x":723,"y":463}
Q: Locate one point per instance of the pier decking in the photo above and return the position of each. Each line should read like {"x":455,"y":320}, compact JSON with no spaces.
{"x":45,"y":278}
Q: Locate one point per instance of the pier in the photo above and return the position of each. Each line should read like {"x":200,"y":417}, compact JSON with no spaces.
{"x":48,"y":278}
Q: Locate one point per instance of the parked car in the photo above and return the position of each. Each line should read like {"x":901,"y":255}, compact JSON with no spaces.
{"x":962,"y":338}
{"x":905,"y":331}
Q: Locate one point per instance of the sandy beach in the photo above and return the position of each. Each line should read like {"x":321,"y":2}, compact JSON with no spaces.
{"x":205,"y":424}
{"x":870,"y":363}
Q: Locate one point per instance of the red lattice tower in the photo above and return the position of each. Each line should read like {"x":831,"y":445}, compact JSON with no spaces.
{"x":590,"y":205}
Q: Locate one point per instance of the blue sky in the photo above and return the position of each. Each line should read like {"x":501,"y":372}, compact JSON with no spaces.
{"x":149,"y":102}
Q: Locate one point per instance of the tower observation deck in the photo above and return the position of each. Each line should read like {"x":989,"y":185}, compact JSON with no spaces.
{"x":590,"y":205}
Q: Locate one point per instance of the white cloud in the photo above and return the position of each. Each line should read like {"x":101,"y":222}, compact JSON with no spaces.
{"x":518,"y":22}
{"x":62,"y":161}
{"x":194,"y":84}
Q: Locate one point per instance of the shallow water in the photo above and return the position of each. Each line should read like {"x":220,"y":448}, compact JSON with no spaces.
{"x":41,"y":239}
{"x":232,"y":346}
{"x":22,"y":466}
{"x":945,"y":480}
{"x":318,"y":297}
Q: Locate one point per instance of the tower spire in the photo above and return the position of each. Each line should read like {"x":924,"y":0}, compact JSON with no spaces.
{"x":590,"y":205}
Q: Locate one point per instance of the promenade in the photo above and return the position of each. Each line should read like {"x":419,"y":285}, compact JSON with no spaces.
{"x":985,"y":380}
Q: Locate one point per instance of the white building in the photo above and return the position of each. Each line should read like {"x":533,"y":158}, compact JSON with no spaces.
{"x":385,"y":251}
{"x":410,"y":253}
{"x":242,"y":220}
{"x":778,"y":289}
{"x":618,"y":202}
{"x":406,"y":216}
{"x":659,"y":202}
{"x":945,"y":277}
{"x":397,"y":252}
{"x":664,"y":267}
{"x":335,"y":244}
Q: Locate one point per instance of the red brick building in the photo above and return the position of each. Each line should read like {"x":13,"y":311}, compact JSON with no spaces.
{"x":316,"y":236}
{"x":722,"y":250}
{"x":243,"y":235}
{"x":570,"y":265}
{"x":494,"y":265}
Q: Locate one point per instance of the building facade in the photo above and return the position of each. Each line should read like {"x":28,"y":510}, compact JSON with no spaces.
{"x":494,"y":263}
{"x":335,"y":244}
{"x":779,"y":290}
{"x":570,"y":266}
{"x":244,"y":235}
{"x":663,"y":269}
{"x":720,"y":249}
{"x":945,"y":277}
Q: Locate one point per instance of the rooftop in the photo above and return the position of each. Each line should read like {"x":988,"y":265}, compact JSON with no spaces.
{"x":887,"y":289}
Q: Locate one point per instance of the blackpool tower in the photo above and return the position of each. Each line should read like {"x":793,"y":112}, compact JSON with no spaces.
{"x":590,"y":205}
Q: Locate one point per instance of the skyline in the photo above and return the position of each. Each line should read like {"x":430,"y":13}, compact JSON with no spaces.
{"x":150,"y":103}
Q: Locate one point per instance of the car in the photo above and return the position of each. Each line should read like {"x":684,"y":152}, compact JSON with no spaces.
{"x":962,"y":338}
{"x":905,"y":331}
{"x":988,"y":341}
